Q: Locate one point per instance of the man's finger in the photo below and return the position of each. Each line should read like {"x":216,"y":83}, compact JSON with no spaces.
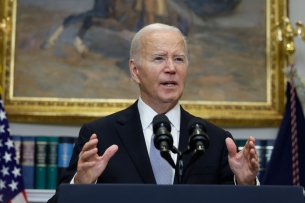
{"x":89,"y":145}
{"x":85,"y":166}
{"x":250,"y":142}
{"x":93,"y":136}
{"x":248,"y":146}
{"x":231,"y":147}
{"x":255,"y":165}
{"x":109,"y":153}
{"x":252,"y":139}
{"x":87,"y":155}
{"x":253,"y":152}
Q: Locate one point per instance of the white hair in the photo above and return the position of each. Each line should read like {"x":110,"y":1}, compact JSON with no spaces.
{"x":135,"y":48}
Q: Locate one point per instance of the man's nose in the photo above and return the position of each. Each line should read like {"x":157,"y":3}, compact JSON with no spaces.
{"x":170,"y":66}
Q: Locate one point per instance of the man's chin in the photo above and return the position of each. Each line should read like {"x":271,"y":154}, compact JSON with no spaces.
{"x":171,"y":99}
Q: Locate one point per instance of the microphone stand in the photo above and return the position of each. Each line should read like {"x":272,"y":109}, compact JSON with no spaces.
{"x":198,"y":152}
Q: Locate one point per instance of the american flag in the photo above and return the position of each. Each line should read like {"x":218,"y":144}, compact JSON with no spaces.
{"x":11,"y":182}
{"x":281,"y":167}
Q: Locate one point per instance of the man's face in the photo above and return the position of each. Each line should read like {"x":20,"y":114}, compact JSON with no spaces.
{"x":161,"y":72}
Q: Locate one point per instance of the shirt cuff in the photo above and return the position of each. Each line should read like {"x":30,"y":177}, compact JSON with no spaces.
{"x":256,"y":181}
{"x":72,"y":181}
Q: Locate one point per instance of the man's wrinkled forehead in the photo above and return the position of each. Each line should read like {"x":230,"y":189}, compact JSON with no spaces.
{"x":155,"y":38}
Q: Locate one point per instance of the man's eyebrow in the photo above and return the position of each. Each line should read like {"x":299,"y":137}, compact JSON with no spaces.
{"x":181,"y":55}
{"x":159,"y":53}
{"x":162,"y":53}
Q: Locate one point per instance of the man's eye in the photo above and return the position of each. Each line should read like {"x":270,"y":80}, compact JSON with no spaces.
{"x":158,"y":58}
{"x":179,"y":59}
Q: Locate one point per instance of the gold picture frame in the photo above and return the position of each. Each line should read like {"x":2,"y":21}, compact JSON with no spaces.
{"x":80,"y":110}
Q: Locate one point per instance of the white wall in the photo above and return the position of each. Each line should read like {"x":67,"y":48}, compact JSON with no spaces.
{"x":296,"y":13}
{"x":60,"y":130}
{"x":43,"y":129}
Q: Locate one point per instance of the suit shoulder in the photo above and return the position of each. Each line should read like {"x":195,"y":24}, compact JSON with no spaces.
{"x":211,"y":128}
{"x":216,"y":130}
{"x":120,"y":116}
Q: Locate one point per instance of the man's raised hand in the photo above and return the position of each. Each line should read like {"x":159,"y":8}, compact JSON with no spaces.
{"x":90,"y":165}
{"x":243,"y":164}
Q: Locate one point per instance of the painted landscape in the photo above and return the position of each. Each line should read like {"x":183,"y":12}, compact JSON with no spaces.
{"x":227,"y":48}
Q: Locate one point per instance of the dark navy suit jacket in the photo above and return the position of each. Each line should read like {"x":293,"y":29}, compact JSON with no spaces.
{"x":131,"y":163}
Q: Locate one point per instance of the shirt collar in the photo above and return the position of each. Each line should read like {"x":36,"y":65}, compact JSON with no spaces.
{"x":147,"y":114}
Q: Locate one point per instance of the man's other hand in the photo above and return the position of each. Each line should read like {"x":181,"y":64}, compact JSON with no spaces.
{"x":243,"y":164}
{"x":90,"y":165}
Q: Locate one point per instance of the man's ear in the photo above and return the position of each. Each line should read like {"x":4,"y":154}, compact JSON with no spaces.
{"x":134,"y":71}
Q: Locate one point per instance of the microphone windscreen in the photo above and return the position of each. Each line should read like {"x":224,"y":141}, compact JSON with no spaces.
{"x":161,"y":120}
{"x":194,"y":121}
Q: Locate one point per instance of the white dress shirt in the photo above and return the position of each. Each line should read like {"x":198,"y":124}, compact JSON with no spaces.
{"x":147,"y":115}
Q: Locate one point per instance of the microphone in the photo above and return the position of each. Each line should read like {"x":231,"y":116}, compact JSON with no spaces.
{"x":163,"y":139}
{"x":199,"y":139}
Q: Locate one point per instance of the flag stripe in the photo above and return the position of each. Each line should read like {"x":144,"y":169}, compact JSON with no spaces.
{"x":20,"y":198}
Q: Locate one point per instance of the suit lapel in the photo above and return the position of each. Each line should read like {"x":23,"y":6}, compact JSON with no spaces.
{"x":130,"y":131}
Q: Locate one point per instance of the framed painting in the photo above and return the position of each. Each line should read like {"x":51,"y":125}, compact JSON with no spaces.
{"x":67,"y":60}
